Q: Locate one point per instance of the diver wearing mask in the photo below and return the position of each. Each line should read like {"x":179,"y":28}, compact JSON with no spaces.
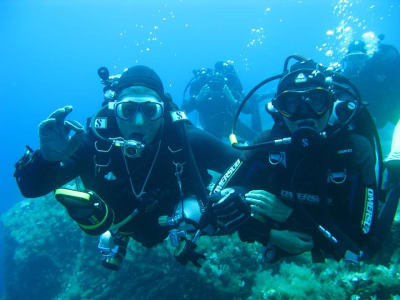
{"x":374,"y":67}
{"x":216,"y":94}
{"x":134,"y":162}
{"x":311,"y":178}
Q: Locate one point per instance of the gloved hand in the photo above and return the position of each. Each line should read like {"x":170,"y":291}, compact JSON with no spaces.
{"x":204,"y":94}
{"x":291,"y":241}
{"x":227,"y":211}
{"x":229,"y":96}
{"x":55,"y":142}
{"x":266,"y":204}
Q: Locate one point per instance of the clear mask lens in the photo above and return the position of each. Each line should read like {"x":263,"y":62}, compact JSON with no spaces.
{"x":150,"y":110}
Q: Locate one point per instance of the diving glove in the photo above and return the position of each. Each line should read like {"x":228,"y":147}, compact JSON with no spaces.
{"x":226,"y":211}
{"x":56,"y":144}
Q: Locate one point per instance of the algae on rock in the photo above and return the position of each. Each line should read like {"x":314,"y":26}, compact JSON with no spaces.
{"x":48,"y":257}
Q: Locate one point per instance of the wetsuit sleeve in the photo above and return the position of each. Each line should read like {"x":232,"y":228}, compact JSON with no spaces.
{"x":210,"y":152}
{"x":37,"y":176}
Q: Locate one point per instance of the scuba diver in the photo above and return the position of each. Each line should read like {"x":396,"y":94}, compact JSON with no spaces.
{"x":216,"y":95}
{"x":311,"y":179}
{"x":142,"y":165}
{"x":375,"y":70}
{"x":374,"y":67}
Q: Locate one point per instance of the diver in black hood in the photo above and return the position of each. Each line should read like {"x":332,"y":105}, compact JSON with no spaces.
{"x":375,"y":70}
{"x":142,"y":165}
{"x":216,"y":95}
{"x":311,"y":179}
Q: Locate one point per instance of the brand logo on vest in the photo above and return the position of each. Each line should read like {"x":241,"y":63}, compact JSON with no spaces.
{"x":368,"y":210}
{"x":178,"y":116}
{"x":100,"y":123}
{"x":302,"y":197}
{"x":305,"y":142}
{"x":345,"y":151}
{"x":227,"y":176}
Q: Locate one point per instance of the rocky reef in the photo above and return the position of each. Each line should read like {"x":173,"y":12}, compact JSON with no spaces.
{"x":48,"y":257}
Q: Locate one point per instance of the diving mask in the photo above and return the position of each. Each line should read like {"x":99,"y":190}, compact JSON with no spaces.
{"x":149,"y":107}
{"x":292,"y":104}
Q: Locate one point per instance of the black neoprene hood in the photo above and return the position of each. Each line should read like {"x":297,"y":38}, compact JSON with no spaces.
{"x":140,"y":76}
{"x":302,"y":80}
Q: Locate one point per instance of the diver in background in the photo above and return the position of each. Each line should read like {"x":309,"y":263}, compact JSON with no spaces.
{"x":311,"y":178}
{"x":141,"y":178}
{"x":376,"y":73}
{"x":375,"y":70}
{"x":216,"y":95}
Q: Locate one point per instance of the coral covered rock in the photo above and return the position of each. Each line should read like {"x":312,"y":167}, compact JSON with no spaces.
{"x":48,"y":257}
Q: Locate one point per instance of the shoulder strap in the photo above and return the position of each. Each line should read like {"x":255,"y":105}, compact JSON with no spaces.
{"x":180,"y":120}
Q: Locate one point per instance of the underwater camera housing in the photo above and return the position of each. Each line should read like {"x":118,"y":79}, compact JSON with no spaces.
{"x":214,"y":80}
{"x":217,"y":82}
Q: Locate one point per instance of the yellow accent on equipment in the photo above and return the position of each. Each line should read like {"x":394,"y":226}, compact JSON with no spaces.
{"x":72,"y":193}
{"x":82,"y":196}
{"x":91,"y":227}
{"x":233,"y":139}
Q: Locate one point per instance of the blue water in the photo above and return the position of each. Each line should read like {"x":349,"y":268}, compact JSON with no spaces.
{"x":50,"y":50}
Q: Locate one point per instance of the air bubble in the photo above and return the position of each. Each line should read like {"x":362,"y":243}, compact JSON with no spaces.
{"x":329,"y":53}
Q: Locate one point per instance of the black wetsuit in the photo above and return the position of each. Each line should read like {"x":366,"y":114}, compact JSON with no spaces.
{"x":332,"y":185}
{"x":112,"y":184}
